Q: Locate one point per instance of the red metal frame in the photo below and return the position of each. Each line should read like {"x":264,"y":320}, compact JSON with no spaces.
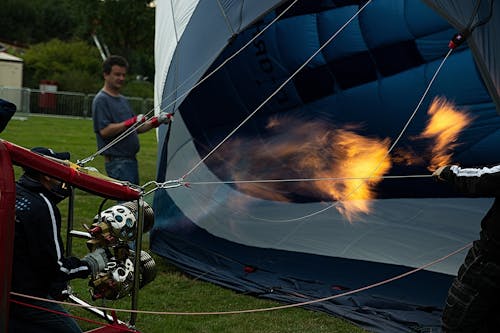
{"x":99,"y":186}
{"x":7,"y":210}
{"x":13,"y":154}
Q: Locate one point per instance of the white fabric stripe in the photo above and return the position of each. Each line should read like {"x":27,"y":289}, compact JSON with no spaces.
{"x":172,"y":17}
{"x":54,"y":229}
{"x":473,"y":172}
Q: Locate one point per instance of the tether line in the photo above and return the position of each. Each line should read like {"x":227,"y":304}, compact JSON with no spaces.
{"x":304,"y":179}
{"x":294,"y":305}
{"x":206,"y":77}
{"x":276,"y":90}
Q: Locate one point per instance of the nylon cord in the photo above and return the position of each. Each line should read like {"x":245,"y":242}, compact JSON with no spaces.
{"x":396,"y":141}
{"x":289,"y":180}
{"x":281,"y":307}
{"x":403,"y":130}
{"x":336,"y":203}
{"x":277,"y":89}
{"x":304,"y":179}
{"x":126,"y":133}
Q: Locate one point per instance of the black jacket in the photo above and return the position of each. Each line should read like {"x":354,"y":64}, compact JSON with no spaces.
{"x":483,"y":182}
{"x":38,"y":249}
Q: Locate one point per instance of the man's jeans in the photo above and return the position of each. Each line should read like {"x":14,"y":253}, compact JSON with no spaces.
{"x":123,"y":168}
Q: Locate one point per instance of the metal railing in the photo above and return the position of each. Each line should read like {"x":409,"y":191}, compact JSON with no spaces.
{"x":62,"y":103}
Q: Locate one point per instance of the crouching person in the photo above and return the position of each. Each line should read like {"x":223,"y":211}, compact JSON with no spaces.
{"x":39,"y":260}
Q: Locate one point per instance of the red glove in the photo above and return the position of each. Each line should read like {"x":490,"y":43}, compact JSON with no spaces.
{"x":163,"y":118}
{"x":140,"y":118}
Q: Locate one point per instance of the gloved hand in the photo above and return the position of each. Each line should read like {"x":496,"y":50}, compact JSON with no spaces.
{"x":162,"y":118}
{"x":96,"y":260}
{"x":140,"y":118}
{"x":437,"y":174}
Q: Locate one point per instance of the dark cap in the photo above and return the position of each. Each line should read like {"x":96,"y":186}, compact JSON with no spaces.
{"x":49,"y":152}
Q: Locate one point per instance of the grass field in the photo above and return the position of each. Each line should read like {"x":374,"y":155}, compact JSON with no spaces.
{"x":171,"y":291}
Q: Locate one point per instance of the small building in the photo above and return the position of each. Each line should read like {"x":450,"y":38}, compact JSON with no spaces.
{"x":11,"y":78}
{"x":11,"y":71}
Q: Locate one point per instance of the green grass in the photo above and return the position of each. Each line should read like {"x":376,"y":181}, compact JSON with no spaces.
{"x":171,"y":291}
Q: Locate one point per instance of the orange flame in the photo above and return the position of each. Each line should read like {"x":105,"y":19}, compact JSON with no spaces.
{"x":335,"y":164}
{"x":445,"y":124}
{"x":310,"y":150}
{"x":360,"y":161}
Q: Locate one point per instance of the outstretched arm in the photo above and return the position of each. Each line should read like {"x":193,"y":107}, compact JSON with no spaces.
{"x":483,"y":181}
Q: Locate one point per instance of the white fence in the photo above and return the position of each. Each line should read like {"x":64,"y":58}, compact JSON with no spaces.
{"x":62,"y":103}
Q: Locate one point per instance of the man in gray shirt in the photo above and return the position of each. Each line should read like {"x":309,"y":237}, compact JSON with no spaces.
{"x":112,"y":115}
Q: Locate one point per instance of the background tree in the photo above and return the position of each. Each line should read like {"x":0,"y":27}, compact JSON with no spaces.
{"x":14,"y":12}
{"x":34,"y":21}
{"x":76,"y":66}
{"x":125,"y":26}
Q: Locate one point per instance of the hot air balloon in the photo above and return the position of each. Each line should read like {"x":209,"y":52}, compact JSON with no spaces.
{"x":303,"y":143}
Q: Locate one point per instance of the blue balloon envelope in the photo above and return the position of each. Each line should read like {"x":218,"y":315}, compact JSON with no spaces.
{"x":283,"y":116}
